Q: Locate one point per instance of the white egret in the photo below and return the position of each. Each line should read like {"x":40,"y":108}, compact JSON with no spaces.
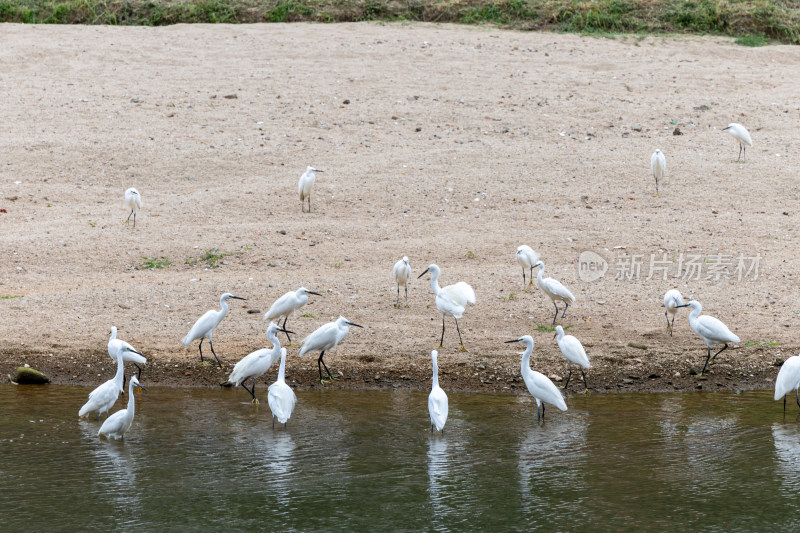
{"x":741,"y":134}
{"x":672,"y":300}
{"x":204,"y":327}
{"x":133,"y":201}
{"x":255,"y":364}
{"x":102,"y":398}
{"x":526,"y":257}
{"x":573,"y":350}
{"x":326,"y":337}
{"x":450,"y":300}
{"x":287,"y":305}
{"x":788,"y":379}
{"x":554,"y":290}
{"x":710,"y":329}
{"x":129,"y":354}
{"x":401,"y":271}
{"x":281,"y":397}
{"x":117,"y":424}
{"x":539,"y":385}
{"x":304,"y":186}
{"x":437,"y":399}
{"x":658,"y":165}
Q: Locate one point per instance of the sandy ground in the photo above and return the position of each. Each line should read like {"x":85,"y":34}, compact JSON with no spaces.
{"x":449,"y":144}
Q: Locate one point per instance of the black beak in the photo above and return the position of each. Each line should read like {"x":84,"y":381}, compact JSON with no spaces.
{"x":352,"y":324}
{"x":684,"y":305}
{"x":725,"y":128}
{"x":314,"y":293}
{"x":515,"y":340}
{"x":555,"y":334}
{"x":238,"y":298}
{"x":426,"y":271}
{"x":318,"y":170}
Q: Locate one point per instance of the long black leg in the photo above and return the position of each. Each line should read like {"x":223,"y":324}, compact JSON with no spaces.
{"x":397,"y":302}
{"x":321,"y":362}
{"x":252,"y":392}
{"x":719,"y":352}
{"x":708,"y":357}
{"x":538,"y":416}
{"x":524,"y":281}
{"x":129,"y":217}
{"x":201,"y":348}
{"x":210,"y":343}
{"x":556,"y":315}
{"x":441,"y":342}
{"x":672,"y":327}
{"x":566,"y":306}
{"x":309,"y":203}
{"x":584,"y":379}
{"x":569,"y":375}
{"x":406,"y":293}
{"x":139,"y":372}
{"x":273,"y":422}
{"x":531,"y":277}
{"x":796,"y":395}
{"x":656,"y":185}
{"x":745,"y":152}
{"x":666,"y":316}
{"x":134,"y":220}
{"x":459,"y":332}
{"x":740,"y":152}
{"x":542,"y":410}
{"x":784,"y":404}
{"x":284,"y":327}
{"x":124,"y":380}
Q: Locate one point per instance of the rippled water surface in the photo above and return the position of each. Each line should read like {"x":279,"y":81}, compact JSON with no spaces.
{"x":350,"y":460}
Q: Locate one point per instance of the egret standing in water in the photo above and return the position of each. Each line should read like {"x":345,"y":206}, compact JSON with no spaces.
{"x":204,"y":327}
{"x":554,"y":290}
{"x":573,"y":350}
{"x":658,"y":165}
{"x":133,"y":201}
{"x":305,"y":184}
{"x":437,"y":399}
{"x":526,"y":257}
{"x":539,"y":385}
{"x":450,"y":300}
{"x":788,"y":379}
{"x":116,"y":346}
{"x":255,"y":364}
{"x":710,"y":329}
{"x":104,"y":396}
{"x":281,"y":397}
{"x":326,"y":337}
{"x":741,"y":134}
{"x":401,"y":271}
{"x":672,"y":301}
{"x":287,"y":305}
{"x":120,"y":422}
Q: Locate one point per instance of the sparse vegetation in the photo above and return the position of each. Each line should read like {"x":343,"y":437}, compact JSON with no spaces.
{"x":752,"y":22}
{"x":151,"y":263}
{"x":10,"y":296}
{"x":542,"y":327}
{"x":308,"y":315}
{"x":213,"y":256}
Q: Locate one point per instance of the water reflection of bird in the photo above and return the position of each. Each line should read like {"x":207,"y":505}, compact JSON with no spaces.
{"x":786,"y":438}
{"x":437,"y":399}
{"x":539,"y":385}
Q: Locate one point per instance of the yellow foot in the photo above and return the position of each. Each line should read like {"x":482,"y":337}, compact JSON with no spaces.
{"x":254,"y":401}
{"x":208,"y":363}
{"x":324,"y":381}
{"x":585,"y":391}
{"x":441,"y":346}
{"x":462,"y":349}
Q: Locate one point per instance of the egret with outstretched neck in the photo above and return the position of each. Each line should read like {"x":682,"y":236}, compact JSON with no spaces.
{"x":401,"y":271}
{"x":554,"y":290}
{"x":281,"y":397}
{"x":204,"y":327}
{"x":450,"y":300}
{"x":526,"y":257}
{"x":129,"y":354}
{"x":120,"y":422}
{"x":287,"y":305}
{"x":788,"y":379}
{"x":255,"y":364}
{"x":573,"y":351}
{"x":742,"y":136}
{"x":710,"y":329}
{"x":541,"y":388}
{"x":437,"y":399}
{"x":326,"y":337}
{"x":672,"y":301}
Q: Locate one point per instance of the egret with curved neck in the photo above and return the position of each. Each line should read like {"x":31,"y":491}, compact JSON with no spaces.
{"x":255,"y":364}
{"x":539,"y":385}
{"x":554,"y":290}
{"x":450,"y":300}
{"x":710,"y":329}
{"x":204,"y":327}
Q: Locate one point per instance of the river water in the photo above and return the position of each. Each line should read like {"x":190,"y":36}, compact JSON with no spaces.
{"x":366,"y":460}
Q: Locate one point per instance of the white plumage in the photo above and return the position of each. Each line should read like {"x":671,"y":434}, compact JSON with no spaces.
{"x":437,"y":399}
{"x":554,"y":290}
{"x":710,"y":329}
{"x":129,"y":354}
{"x":287,"y":305}
{"x":103,"y":397}
{"x":255,"y":364}
{"x":658,"y":165}
{"x":120,"y":422}
{"x":539,"y":385}
{"x":281,"y":397}
{"x":204,"y":327}
{"x":326,"y":337}
{"x":672,"y":301}
{"x":133,"y":201}
{"x":401,"y":271}
{"x":788,"y":379}
{"x":450,"y":300}
{"x":741,"y":134}
{"x":526,"y":257}
{"x":304,"y":186}
{"x":573,"y":350}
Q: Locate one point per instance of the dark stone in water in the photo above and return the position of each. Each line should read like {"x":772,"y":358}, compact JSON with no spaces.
{"x":29,"y":376}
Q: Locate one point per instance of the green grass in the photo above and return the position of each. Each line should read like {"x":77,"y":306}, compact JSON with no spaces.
{"x":308,"y":315}
{"x":751,"y":22}
{"x":151,"y":263}
{"x":10,"y":296}
{"x":543,"y":328}
{"x":213,"y":256}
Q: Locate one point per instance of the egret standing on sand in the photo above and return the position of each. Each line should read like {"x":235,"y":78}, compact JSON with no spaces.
{"x":305,"y":184}
{"x":401,"y":271}
{"x":104,"y":396}
{"x":326,"y":337}
{"x":133,"y":201}
{"x":539,"y":385}
{"x":204,"y":327}
{"x":255,"y":364}
{"x":450,"y":300}
{"x":672,"y":301}
{"x":658,"y":165}
{"x":281,"y":397}
{"x":526,"y":257}
{"x":741,"y":134}
{"x":117,"y":424}
{"x":554,"y":290}
{"x":710,"y":329}
{"x":116,"y":346}
{"x":788,"y":379}
{"x":287,"y":305}
{"x":573,"y":350}
{"x":437,"y":399}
